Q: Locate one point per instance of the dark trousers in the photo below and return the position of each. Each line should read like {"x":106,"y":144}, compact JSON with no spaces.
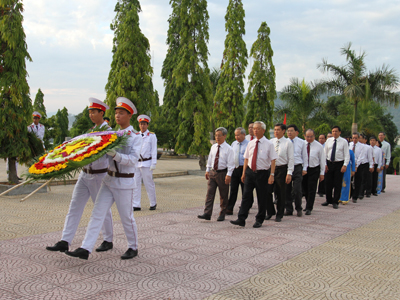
{"x":333,"y":180}
{"x":236,"y":181}
{"x":310,"y":181}
{"x":279,"y":188}
{"x":384,"y":175}
{"x":294,"y":190}
{"x":321,"y":188}
{"x":259,"y":181}
{"x":366,"y":187}
{"x":359,"y":177}
{"x":375,"y":179}
{"x":217,"y":179}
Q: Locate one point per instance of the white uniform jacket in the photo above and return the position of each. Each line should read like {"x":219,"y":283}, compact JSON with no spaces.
{"x":38,"y":130}
{"x":149,"y":149}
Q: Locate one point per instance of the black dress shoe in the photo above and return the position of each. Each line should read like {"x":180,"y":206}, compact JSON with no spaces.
{"x":335,"y":206}
{"x":368,"y":196}
{"x":325,"y":204}
{"x":105,"y":246}
{"x":375,"y":194}
{"x":383,"y":191}
{"x":204,"y":217}
{"x":80,"y":252}
{"x":360,"y":197}
{"x":304,"y":209}
{"x":61,"y":246}
{"x":308,"y":212}
{"x":257,"y":225}
{"x":321,"y":195}
{"x":288,"y":213}
{"x":130,"y":253}
{"x":136,"y":209}
{"x":354,"y":200}
{"x":221,"y":218}
{"x":267,"y":217}
{"x":299,"y":213}
{"x":238,"y":222}
{"x":153,"y":207}
{"x":229,"y":212}
{"x":278,"y":219}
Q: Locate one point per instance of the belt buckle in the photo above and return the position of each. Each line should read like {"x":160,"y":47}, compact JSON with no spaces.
{"x":113,"y":173}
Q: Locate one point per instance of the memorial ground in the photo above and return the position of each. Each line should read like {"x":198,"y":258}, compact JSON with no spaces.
{"x":349,"y":253}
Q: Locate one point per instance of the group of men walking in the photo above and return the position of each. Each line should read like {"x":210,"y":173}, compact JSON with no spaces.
{"x":288,"y":168}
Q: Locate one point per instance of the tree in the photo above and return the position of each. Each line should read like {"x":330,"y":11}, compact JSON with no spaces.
{"x":353,"y":81}
{"x":262,"y":90}
{"x":15,"y":104}
{"x":38,"y":105}
{"x":228,"y":101}
{"x":192,"y":73}
{"x":62,"y":126}
{"x":81,"y":124}
{"x":131,"y":71}
{"x":301,"y":102}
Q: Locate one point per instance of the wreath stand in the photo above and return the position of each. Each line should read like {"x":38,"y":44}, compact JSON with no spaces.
{"x":31,"y":194}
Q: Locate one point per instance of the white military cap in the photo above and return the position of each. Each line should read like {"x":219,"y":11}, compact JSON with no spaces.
{"x":97,"y":104}
{"x":143,"y":118}
{"x":36,"y":114}
{"x":126,"y":104}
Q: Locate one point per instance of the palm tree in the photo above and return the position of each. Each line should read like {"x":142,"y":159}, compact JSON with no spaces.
{"x":301,"y":101}
{"x":354,"y":82}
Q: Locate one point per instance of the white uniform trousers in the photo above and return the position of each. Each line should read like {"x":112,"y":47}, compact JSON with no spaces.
{"x":147,"y":175}
{"x":87,"y":186}
{"x":106,"y":197}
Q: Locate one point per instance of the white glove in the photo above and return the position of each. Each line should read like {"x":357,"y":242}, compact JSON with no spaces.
{"x":152,"y":167}
{"x":111,"y":152}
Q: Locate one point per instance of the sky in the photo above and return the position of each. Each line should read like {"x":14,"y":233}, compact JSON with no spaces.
{"x":70,"y":41}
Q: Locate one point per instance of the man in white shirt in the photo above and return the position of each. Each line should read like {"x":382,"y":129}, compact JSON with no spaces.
{"x":294,"y":189}
{"x":321,"y":184}
{"x":284,"y":166}
{"x":251,"y":135}
{"x":338,"y":157}
{"x":37,"y":128}
{"x":377,"y":163}
{"x":88,"y":185}
{"x":362,"y":165}
{"x":239,"y":147}
{"x":258,"y":173}
{"x":220,"y":165}
{"x":315,"y":171}
{"x":146,"y":165}
{"x":386,"y":149}
{"x":366,"y":187}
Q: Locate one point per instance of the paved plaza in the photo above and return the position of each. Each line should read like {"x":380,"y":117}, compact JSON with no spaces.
{"x":349,"y":253}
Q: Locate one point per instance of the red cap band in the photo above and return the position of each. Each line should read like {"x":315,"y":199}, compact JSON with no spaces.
{"x":125,"y":106}
{"x":97,"y":106}
{"x":144,"y":120}
{"x":36,"y":116}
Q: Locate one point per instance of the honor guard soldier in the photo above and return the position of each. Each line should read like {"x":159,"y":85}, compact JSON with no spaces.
{"x":88,"y":185}
{"x":36,"y":127}
{"x":147,"y":163}
{"x":117,"y":186}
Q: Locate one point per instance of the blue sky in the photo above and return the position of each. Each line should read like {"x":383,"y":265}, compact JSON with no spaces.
{"x":70,"y":41}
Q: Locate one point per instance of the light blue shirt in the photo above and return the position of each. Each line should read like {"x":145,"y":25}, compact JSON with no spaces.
{"x":239,"y":149}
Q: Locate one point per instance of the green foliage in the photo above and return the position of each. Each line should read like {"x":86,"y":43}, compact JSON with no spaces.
{"x":131,"y":72}
{"x":15,"y":104}
{"x":62,"y":126}
{"x":82,"y":123}
{"x":396,"y":160}
{"x":51,"y":131}
{"x":38,"y":105}
{"x":228,"y":101}
{"x":262,"y":89}
{"x":192,"y":73}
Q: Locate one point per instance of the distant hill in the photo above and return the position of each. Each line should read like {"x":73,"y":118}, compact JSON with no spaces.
{"x":71,"y":118}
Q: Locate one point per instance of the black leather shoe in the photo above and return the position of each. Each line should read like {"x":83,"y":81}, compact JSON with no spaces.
{"x":238,"y":222}
{"x":325,"y":204}
{"x":278,"y":219}
{"x":383,"y":191}
{"x":80,"y":252}
{"x":229,"y":212}
{"x":257,"y":225}
{"x":105,"y":246}
{"x":299,"y":213}
{"x":375,"y":194}
{"x":204,"y":217}
{"x":360,"y":197}
{"x":136,"y":209}
{"x":308,"y":212}
{"x":354,"y":200}
{"x":304,"y":209}
{"x":267,"y":217}
{"x":321,"y":195}
{"x":368,"y":196}
{"x":221,"y":218}
{"x":130,"y":253}
{"x":61,"y":246}
{"x":153,"y":207}
{"x":288,"y":213}
{"x":335,"y":206}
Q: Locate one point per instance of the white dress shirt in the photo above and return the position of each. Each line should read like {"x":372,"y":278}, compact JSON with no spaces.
{"x":285,"y":153}
{"x":248,"y":137}
{"x":387,"y":152}
{"x":149,"y":149}
{"x":226,"y":158}
{"x":38,"y":130}
{"x":238,"y":150}
{"x":265,"y":153}
{"x":317,"y":156}
{"x":360,"y":153}
{"x":300,"y":152}
{"x":342,"y":150}
{"x":378,"y":156}
{"x":370,"y":155}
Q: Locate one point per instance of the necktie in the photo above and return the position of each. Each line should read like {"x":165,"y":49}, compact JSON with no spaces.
{"x":333,"y":153}
{"x":252,"y":137}
{"x":237,"y":156}
{"x":142,"y":134}
{"x":37,"y":128}
{"x":216,"y":159}
{"x":308,"y":153}
{"x":254,"y":160}
{"x":277,"y":147}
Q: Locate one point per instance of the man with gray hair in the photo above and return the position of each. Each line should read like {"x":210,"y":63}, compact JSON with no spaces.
{"x":387,"y":156}
{"x":220,"y":166}
{"x":239,"y":147}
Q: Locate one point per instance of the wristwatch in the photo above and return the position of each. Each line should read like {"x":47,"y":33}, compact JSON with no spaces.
{"x":273,"y":174}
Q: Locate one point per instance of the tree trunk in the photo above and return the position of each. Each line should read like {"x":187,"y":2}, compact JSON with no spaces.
{"x":354,"y":128}
{"x":202,"y":162}
{"x":12,"y":171}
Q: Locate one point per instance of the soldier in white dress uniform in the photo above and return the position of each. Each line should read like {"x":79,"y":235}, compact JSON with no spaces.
{"x":88,"y":185}
{"x":117,"y":186}
{"x":147,"y":163}
{"x":36,"y":127}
